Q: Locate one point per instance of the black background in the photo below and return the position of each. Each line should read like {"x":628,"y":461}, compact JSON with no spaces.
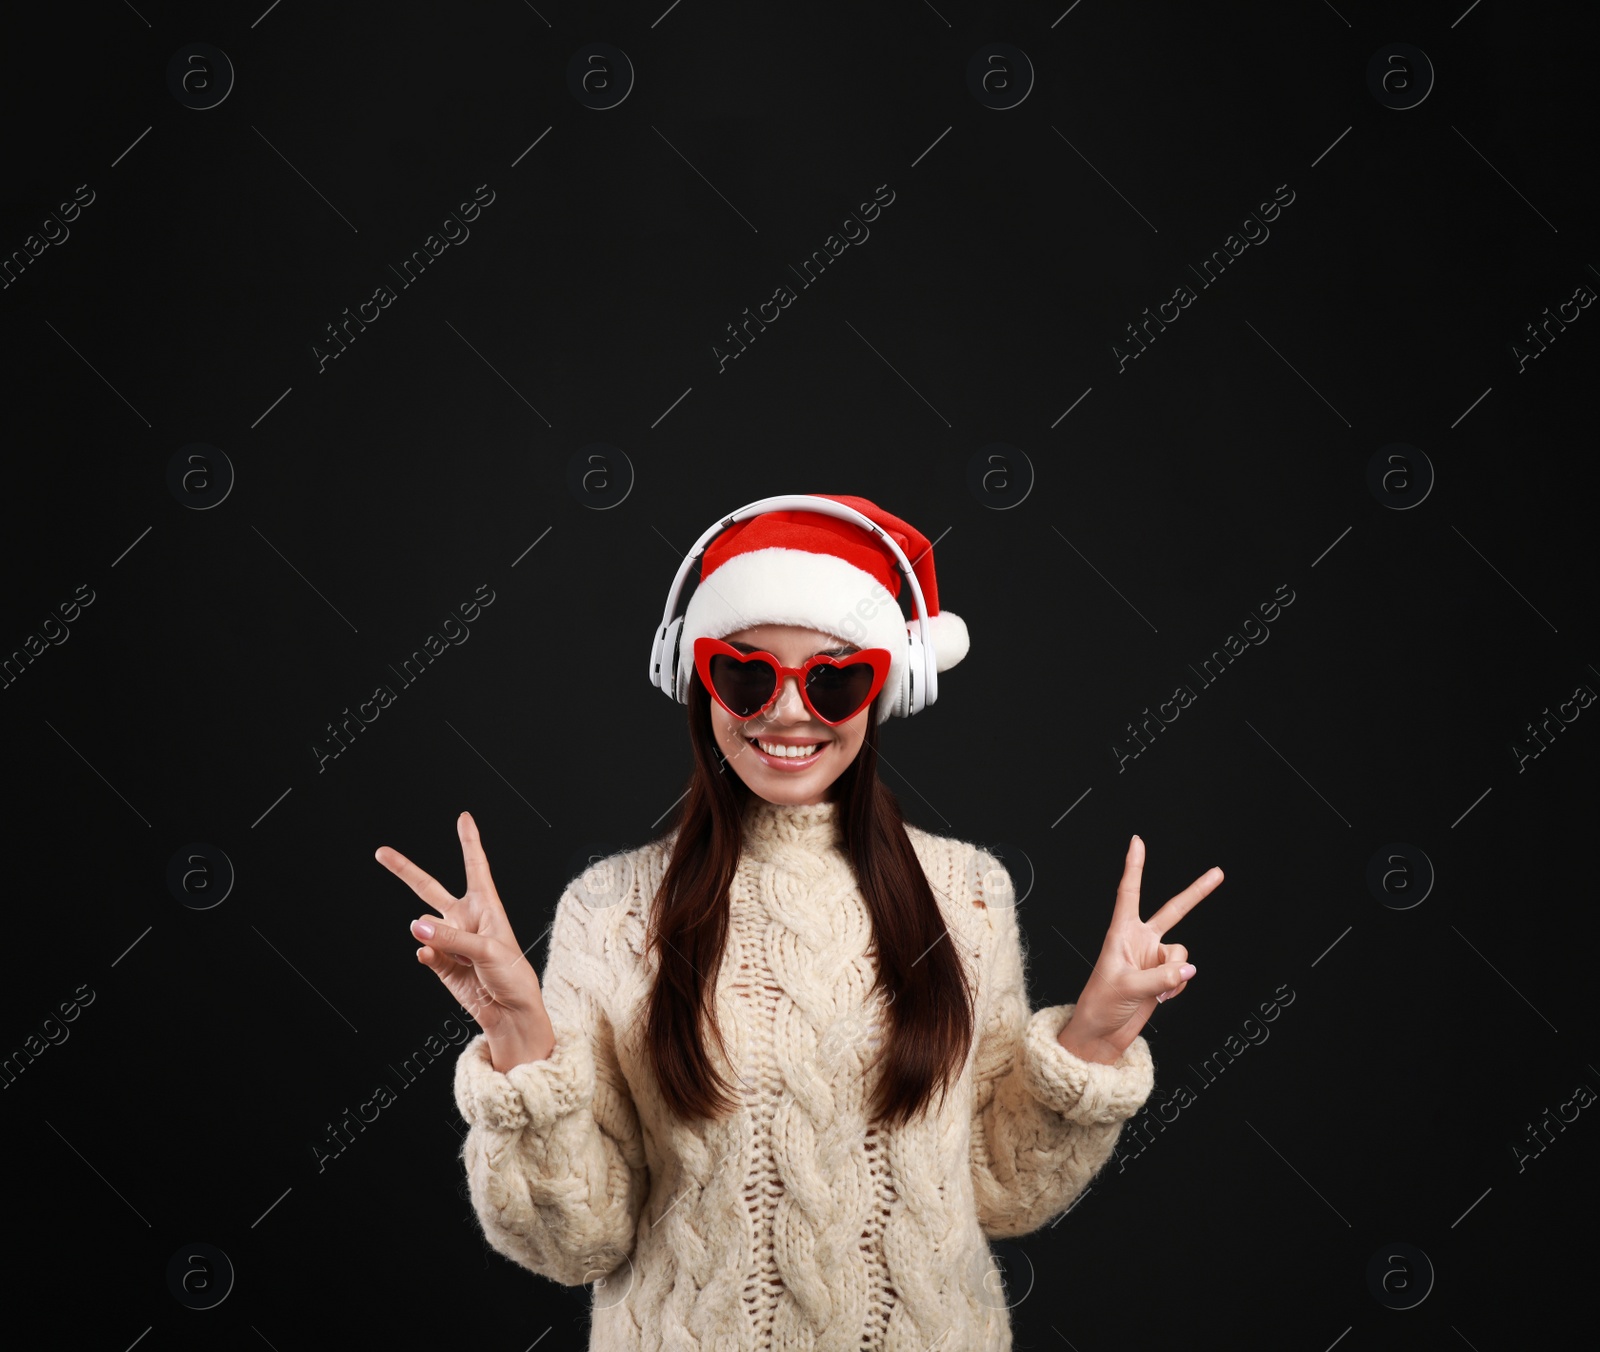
{"x":1392,"y":1102}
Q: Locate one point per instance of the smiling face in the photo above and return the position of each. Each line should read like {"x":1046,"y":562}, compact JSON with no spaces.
{"x":761,"y":749}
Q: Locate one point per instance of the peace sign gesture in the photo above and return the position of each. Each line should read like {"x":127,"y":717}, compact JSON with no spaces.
{"x":1135,"y":970}
{"x":471,"y":948}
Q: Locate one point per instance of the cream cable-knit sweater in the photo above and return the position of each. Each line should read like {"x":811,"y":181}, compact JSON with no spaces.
{"x":793,"y":1223}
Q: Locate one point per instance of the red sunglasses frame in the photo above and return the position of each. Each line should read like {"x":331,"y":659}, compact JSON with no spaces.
{"x":878,"y":659}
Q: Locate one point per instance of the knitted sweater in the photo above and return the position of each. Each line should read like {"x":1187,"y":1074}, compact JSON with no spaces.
{"x":793,"y":1223}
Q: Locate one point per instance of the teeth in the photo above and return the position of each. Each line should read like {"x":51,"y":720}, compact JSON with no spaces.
{"x":789,"y":752}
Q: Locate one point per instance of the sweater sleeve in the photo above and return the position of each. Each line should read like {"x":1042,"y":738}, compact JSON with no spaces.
{"x":1044,"y":1120}
{"x":554,"y":1159}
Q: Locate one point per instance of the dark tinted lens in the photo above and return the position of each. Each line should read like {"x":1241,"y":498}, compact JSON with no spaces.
{"x":837,"y":693}
{"x":743,"y":686}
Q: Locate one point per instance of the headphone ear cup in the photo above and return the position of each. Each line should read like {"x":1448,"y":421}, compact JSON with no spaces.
{"x":683,"y":668}
{"x":915,"y":696}
{"x":669,"y":678}
{"x":927,"y":686}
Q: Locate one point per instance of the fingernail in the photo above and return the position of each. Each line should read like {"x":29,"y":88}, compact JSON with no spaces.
{"x":1186,"y":971}
{"x":423,"y":927}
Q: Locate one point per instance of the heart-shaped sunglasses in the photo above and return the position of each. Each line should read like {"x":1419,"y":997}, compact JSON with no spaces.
{"x":835,"y":689}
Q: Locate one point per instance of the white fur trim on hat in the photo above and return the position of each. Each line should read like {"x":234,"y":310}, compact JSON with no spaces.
{"x":813,"y":591}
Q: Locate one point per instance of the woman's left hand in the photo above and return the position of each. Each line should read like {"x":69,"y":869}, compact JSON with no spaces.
{"x":1135,"y":970}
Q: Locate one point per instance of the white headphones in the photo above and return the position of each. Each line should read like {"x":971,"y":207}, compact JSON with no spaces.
{"x":670,"y":669}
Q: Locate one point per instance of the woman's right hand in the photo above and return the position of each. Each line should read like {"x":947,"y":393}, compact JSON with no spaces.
{"x":473,"y":951}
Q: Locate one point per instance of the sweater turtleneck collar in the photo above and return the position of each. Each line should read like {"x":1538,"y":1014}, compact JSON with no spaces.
{"x":773,"y":827}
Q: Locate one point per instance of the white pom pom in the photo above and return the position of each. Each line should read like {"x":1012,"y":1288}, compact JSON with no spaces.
{"x":950,"y":641}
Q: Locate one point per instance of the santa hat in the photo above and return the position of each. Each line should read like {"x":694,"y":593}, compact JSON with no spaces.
{"x":822,"y":572}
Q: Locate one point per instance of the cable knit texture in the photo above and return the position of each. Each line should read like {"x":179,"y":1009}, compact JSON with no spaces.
{"x":794,"y":1223}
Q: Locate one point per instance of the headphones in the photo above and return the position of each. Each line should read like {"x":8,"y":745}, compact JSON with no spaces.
{"x":671,"y":669}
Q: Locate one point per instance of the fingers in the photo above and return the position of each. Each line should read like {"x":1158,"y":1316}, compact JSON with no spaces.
{"x":1171,"y":953}
{"x":460,"y":982}
{"x":1156,"y":982}
{"x":478,"y":878}
{"x":1186,"y":900}
{"x":1127,"y":907}
{"x":425,"y":885}
{"x":447,"y":939}
{"x":442,"y":963}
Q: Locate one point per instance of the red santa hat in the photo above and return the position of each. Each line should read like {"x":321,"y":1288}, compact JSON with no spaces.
{"x":822,"y":572}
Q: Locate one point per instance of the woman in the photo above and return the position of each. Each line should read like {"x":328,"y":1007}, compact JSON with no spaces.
{"x":781,"y":1079}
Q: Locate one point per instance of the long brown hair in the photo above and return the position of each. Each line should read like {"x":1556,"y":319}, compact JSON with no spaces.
{"x":930,"y":1009}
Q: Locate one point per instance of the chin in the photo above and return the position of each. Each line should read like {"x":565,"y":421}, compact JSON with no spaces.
{"x":794,"y":798}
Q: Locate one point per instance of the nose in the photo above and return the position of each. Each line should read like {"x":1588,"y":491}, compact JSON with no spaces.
{"x":789,"y":707}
